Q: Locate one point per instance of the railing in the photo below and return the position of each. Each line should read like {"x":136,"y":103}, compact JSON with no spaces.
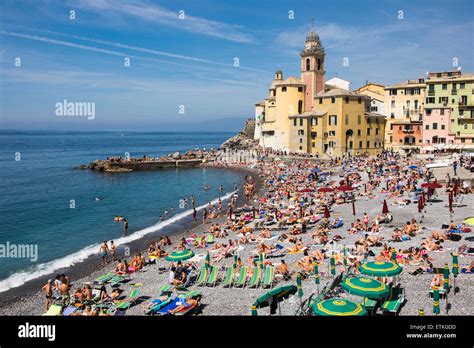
{"x":431,"y":92}
{"x":408,"y":131}
{"x":454,"y":92}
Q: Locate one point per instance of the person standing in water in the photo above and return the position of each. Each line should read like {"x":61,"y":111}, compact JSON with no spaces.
{"x":194,"y":214}
{"x":125,"y":226}
{"x":103,"y":252}
{"x":204,"y":215}
{"x":193,"y":201}
{"x":112,"y":249}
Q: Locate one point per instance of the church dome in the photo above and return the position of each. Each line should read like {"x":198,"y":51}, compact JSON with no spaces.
{"x":312,"y":36}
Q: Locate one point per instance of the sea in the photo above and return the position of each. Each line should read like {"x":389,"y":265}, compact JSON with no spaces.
{"x":65,"y":213}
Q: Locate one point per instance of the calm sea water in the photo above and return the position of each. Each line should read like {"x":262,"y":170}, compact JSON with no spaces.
{"x":36,"y":193}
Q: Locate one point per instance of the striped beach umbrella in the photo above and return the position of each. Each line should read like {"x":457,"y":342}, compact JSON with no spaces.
{"x":455,"y":269}
{"x":298,"y":285}
{"x":180,"y":255}
{"x":365,"y":287}
{"x":338,"y":307}
{"x":380,"y":268}
{"x":332,"y":263}
{"x":421,"y":312}
{"x":316,"y":272}
{"x":446,"y":276}
{"x":253,"y":309}
{"x":436,"y":309}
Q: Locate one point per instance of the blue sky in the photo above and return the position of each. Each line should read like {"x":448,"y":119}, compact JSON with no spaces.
{"x":190,"y":61}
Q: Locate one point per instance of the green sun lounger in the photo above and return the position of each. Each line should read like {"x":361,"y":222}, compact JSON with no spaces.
{"x":165,"y":288}
{"x":104,"y":278}
{"x":201,"y":280}
{"x":254,"y":281}
{"x":369,"y":304}
{"x":268,"y":277}
{"x":117,"y":280}
{"x":394,"y":300}
{"x":229,"y":277}
{"x":242,"y":278}
{"x":212,"y":278}
{"x":189,"y":294}
{"x":125,"y":304}
{"x":210,"y":239}
{"x":54,"y":310}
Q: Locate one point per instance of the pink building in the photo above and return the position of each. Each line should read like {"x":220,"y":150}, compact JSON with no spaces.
{"x":437,"y":127}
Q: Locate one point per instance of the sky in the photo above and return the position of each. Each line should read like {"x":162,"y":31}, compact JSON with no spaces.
{"x":202,"y":65}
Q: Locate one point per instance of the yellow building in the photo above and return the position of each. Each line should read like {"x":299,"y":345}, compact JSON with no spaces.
{"x":403,"y":104}
{"x":306,"y":115}
{"x":339,"y":124}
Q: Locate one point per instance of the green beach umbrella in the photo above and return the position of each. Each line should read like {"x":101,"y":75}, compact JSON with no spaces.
{"x":455,"y":269}
{"x":469,"y":221}
{"x":208,"y":260}
{"x":279,"y":294}
{"x":316,"y":272}
{"x":380,"y":268}
{"x":254,"y":310}
{"x":446,"y":276}
{"x":421,"y":312}
{"x":344,"y":258}
{"x":338,"y":307}
{"x":298,"y":285}
{"x":436,"y":309}
{"x":180,"y":255}
{"x":365,"y":287}
{"x":235,"y":261}
{"x":332,"y":262}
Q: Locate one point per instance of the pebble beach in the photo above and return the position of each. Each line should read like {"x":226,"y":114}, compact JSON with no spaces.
{"x":218,"y":300}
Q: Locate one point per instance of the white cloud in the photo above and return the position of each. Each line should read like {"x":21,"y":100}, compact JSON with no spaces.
{"x":155,"y":14}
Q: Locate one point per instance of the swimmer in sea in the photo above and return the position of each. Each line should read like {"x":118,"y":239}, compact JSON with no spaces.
{"x":125,"y":226}
{"x":161,"y":218}
{"x":116,"y":218}
{"x":166,"y":212}
{"x":103,"y":252}
{"x":221,"y":188}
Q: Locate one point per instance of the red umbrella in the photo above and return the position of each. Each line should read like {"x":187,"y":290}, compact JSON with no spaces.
{"x":326,"y":212}
{"x":431,"y":185}
{"x":385,"y":207}
{"x":345,"y":188}
{"x":306,"y":190}
{"x":325,"y":189}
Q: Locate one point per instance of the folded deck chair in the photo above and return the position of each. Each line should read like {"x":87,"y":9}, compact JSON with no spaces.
{"x":255,"y":279}
{"x":212,"y":278}
{"x":229,"y":277}
{"x":54,"y":310}
{"x":394,"y":301}
{"x":242,"y":278}
{"x":117,"y":280}
{"x":202,"y":277}
{"x":268,"y":277}
{"x":125,"y":304}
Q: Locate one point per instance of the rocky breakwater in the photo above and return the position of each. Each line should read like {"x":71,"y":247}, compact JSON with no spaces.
{"x":243,"y":140}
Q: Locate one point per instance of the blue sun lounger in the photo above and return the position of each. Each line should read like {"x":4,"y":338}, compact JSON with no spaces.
{"x":169,"y":307}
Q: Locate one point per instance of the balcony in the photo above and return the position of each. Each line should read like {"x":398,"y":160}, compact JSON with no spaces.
{"x":465,"y":105}
{"x":408,"y":131}
{"x":454,"y":92}
{"x":431,"y":93}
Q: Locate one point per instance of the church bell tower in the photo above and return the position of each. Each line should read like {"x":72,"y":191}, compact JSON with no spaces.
{"x":312,"y":68}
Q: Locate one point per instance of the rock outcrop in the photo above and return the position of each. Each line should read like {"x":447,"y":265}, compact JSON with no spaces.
{"x":244,"y":139}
